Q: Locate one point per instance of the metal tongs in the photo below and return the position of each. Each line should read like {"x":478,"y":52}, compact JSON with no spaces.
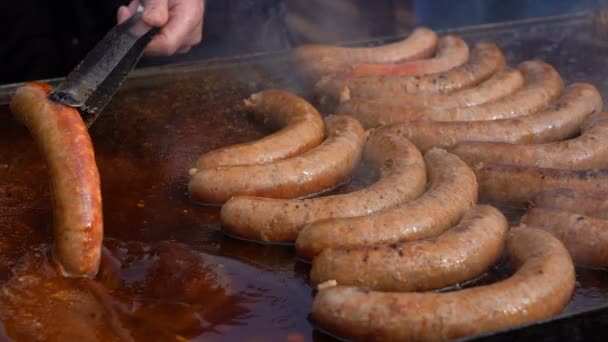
{"x":91,"y":85}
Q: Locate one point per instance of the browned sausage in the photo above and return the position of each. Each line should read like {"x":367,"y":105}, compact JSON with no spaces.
{"x":463,"y":253}
{"x":301,"y":129}
{"x":590,"y":203}
{"x":540,"y":288}
{"x":586,"y":238}
{"x":560,"y":121}
{"x":402,"y":178}
{"x":486,"y":58}
{"x":517,"y":185}
{"x":319,"y":60}
{"x":64,"y":142}
{"x":587,"y":151}
{"x":452,"y":191}
{"x":318,"y":169}
{"x":451,"y":52}
{"x":379,"y":112}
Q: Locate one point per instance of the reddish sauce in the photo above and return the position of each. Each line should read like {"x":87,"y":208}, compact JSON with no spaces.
{"x":168,"y":273}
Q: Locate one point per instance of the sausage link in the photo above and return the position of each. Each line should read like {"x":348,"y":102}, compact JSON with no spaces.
{"x":452,"y":190}
{"x":540,"y":288}
{"x":64,"y":142}
{"x":486,"y":58}
{"x":586,"y":238}
{"x":318,"y":169}
{"x":379,"y":112}
{"x":517,"y":185}
{"x":451,"y":52}
{"x":301,"y":129}
{"x":587,"y":151}
{"x":402,"y":178}
{"x":463,"y":253}
{"x":589,"y":203}
{"x":561,"y":120}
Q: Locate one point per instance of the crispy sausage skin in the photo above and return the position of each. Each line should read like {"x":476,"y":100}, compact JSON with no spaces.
{"x":64,"y":142}
{"x":318,"y":169}
{"x":517,"y":185}
{"x":379,"y":112}
{"x":561,"y":120}
{"x":451,"y":52}
{"x":586,"y":238}
{"x":315,"y":60}
{"x":486,"y":58}
{"x":587,"y":151}
{"x":402,"y":178}
{"x":463,"y":253}
{"x":590,"y":203}
{"x":452,"y":191}
{"x":301,"y":129}
{"x":540,"y":288}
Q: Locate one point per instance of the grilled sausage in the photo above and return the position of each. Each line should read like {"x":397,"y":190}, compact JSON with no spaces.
{"x":301,"y":130}
{"x":318,"y":169}
{"x":517,"y":185}
{"x":589,"y":203}
{"x":379,"y":112}
{"x":540,"y":288}
{"x":451,"y":52}
{"x":64,"y":142}
{"x":486,"y":58}
{"x":463,"y":253}
{"x":586,"y":238}
{"x":587,"y":151}
{"x":402,"y":178}
{"x":560,"y":121}
{"x":318,"y":60}
{"x":452,"y":190}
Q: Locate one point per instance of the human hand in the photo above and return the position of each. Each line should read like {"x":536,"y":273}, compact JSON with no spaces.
{"x":181,"y":23}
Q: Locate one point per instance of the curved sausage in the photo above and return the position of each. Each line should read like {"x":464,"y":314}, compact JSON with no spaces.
{"x":586,"y":238}
{"x":64,"y":142}
{"x":540,"y":288}
{"x":587,"y":151}
{"x":402,"y":178}
{"x":379,"y":112}
{"x":589,"y":203}
{"x":462,"y":253}
{"x":452,"y":190}
{"x":317,"y":60}
{"x":561,"y":120}
{"x":517,"y":185}
{"x":486,"y":58}
{"x":451,"y":52}
{"x":301,"y":129}
{"x":318,"y":169}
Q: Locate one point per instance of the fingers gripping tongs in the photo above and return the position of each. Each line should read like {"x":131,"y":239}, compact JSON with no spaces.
{"x":91,"y":85}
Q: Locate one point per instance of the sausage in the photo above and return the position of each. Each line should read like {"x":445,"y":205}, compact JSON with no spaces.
{"x":451,"y":52}
{"x":486,"y":58}
{"x":517,"y":185}
{"x":301,"y":129}
{"x":318,"y":169}
{"x":452,"y":190}
{"x":587,"y":151}
{"x":540,"y":288}
{"x":316,"y":60}
{"x":586,"y":238}
{"x":402,"y":178}
{"x":62,"y":137}
{"x":589,"y":203}
{"x":463,"y":253}
{"x":379,"y":112}
{"x":561,"y":120}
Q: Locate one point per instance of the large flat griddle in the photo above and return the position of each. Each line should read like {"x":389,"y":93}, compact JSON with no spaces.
{"x":164,"y":117}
